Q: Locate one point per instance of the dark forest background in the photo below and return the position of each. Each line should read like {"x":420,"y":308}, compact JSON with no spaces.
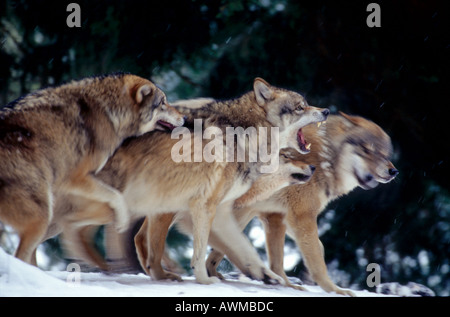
{"x":396,"y":75}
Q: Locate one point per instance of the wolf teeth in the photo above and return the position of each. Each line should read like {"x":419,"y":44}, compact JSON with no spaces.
{"x":308,"y":146}
{"x":320,"y":123}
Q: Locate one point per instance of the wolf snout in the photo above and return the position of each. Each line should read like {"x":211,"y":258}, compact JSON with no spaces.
{"x":367,"y":180}
{"x":321,"y":115}
{"x":393,"y":172}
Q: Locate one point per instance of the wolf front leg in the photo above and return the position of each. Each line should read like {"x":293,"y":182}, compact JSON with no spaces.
{"x":242,"y":217}
{"x":227,"y":237}
{"x":305,"y":232}
{"x":202,"y":214}
{"x":275,"y":230}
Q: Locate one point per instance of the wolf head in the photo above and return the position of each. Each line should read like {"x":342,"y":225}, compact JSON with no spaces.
{"x":289,"y":111}
{"x":154,"y":111}
{"x":365,"y":153}
{"x":297,"y":172}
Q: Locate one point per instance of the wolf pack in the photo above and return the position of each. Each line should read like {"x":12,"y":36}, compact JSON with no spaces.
{"x":99,"y":151}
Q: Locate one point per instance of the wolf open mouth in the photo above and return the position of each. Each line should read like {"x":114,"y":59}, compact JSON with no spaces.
{"x":300,"y":177}
{"x":304,"y":146}
{"x":165,"y":125}
{"x":367,"y":183}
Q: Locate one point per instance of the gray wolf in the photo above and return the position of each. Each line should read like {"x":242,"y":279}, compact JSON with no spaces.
{"x":348,"y":152}
{"x":54,"y":141}
{"x":150,"y":239}
{"x":153,"y":184}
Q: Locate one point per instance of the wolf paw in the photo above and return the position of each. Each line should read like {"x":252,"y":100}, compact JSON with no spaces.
{"x":167,"y":276}
{"x":207,"y":280}
{"x":272,"y":278}
{"x":261,"y":273}
{"x":173,"y":277}
{"x":296,"y":286}
{"x":344,"y":292}
{"x":216,"y":274}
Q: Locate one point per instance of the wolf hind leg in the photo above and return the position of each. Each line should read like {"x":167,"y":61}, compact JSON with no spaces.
{"x":30,"y":237}
{"x":79,"y":243}
{"x":92,"y":188}
{"x":150,"y":244}
{"x":35,"y":210}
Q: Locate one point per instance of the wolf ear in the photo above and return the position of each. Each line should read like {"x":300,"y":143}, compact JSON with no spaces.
{"x":263,"y":91}
{"x":352,"y":119}
{"x":142,"y":92}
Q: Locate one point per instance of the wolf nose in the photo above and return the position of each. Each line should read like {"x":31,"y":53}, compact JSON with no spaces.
{"x":313,"y":168}
{"x":393,"y":171}
{"x":325,"y":113}
{"x":369,"y":177}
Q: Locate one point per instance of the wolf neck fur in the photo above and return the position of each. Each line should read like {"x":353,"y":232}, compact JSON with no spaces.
{"x":238,"y":112}
{"x":334,"y":175}
{"x":241,"y":112}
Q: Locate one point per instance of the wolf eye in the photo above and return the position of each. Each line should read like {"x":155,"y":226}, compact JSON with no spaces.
{"x":365,"y":149}
{"x":158,"y":102}
{"x":285,"y":110}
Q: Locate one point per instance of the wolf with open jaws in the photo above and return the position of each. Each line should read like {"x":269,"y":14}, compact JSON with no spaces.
{"x":150,"y":250}
{"x":53,"y":141}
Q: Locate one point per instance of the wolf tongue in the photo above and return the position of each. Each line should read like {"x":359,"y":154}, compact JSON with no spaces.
{"x":301,"y":137}
{"x":305,"y":146}
{"x":166,"y":124}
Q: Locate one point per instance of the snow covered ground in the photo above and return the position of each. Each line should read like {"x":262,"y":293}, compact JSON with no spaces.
{"x":20,"y":279}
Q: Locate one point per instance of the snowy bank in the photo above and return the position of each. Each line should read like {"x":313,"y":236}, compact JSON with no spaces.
{"x":20,"y":279}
